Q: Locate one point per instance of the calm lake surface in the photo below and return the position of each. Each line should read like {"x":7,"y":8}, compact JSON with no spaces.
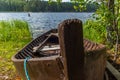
{"x":42,"y":22}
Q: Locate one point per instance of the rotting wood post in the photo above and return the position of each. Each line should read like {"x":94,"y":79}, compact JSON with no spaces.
{"x":71,"y":43}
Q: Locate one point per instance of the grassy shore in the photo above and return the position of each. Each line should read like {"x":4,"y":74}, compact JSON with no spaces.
{"x":14,"y":35}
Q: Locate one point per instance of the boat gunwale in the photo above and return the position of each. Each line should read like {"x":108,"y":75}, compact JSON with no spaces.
{"x":36,"y":59}
{"x":14,"y":57}
{"x":28,"y":45}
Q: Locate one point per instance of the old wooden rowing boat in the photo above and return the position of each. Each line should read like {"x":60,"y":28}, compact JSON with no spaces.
{"x":46,"y":61}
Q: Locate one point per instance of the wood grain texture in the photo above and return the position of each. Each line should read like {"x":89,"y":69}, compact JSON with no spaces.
{"x":71,"y":43}
{"x":114,"y":71}
{"x":47,"y":68}
{"x":78,"y":64}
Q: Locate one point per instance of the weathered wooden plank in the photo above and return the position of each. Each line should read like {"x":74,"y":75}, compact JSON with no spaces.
{"x":49,"y":49}
{"x":114,"y":71}
{"x":53,"y":34}
{"x":35,"y":49}
{"x":46,"y":68}
{"x":71,"y":43}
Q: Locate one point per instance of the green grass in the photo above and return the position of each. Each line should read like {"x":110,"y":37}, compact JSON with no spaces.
{"x":14,"y":35}
{"x":94,"y":31}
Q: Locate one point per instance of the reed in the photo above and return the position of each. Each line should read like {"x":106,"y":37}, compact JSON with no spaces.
{"x":14,"y":30}
{"x":14,"y":34}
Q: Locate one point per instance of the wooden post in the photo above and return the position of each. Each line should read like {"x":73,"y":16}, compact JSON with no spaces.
{"x":71,"y":43}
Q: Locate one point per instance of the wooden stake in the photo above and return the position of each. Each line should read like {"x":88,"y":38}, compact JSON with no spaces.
{"x":71,"y":43}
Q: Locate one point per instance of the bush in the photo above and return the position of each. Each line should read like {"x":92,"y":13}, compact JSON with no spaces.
{"x":95,"y":31}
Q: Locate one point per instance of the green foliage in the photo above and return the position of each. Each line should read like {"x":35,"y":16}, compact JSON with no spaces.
{"x":85,"y":5}
{"x":13,"y":36}
{"x":41,"y":6}
{"x":106,"y":22}
{"x":12,"y":30}
{"x":109,"y":16}
{"x":95,"y":31}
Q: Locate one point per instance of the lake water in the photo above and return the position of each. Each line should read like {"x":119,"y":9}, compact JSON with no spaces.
{"x":42,"y":22}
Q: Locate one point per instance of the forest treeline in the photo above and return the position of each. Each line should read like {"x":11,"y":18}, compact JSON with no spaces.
{"x":41,"y":6}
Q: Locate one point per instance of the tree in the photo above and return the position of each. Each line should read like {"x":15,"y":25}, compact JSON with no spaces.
{"x":108,"y":16}
{"x":113,"y":28}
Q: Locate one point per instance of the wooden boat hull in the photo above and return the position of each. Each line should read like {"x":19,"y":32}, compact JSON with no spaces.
{"x":51,"y":67}
{"x":44,"y":68}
